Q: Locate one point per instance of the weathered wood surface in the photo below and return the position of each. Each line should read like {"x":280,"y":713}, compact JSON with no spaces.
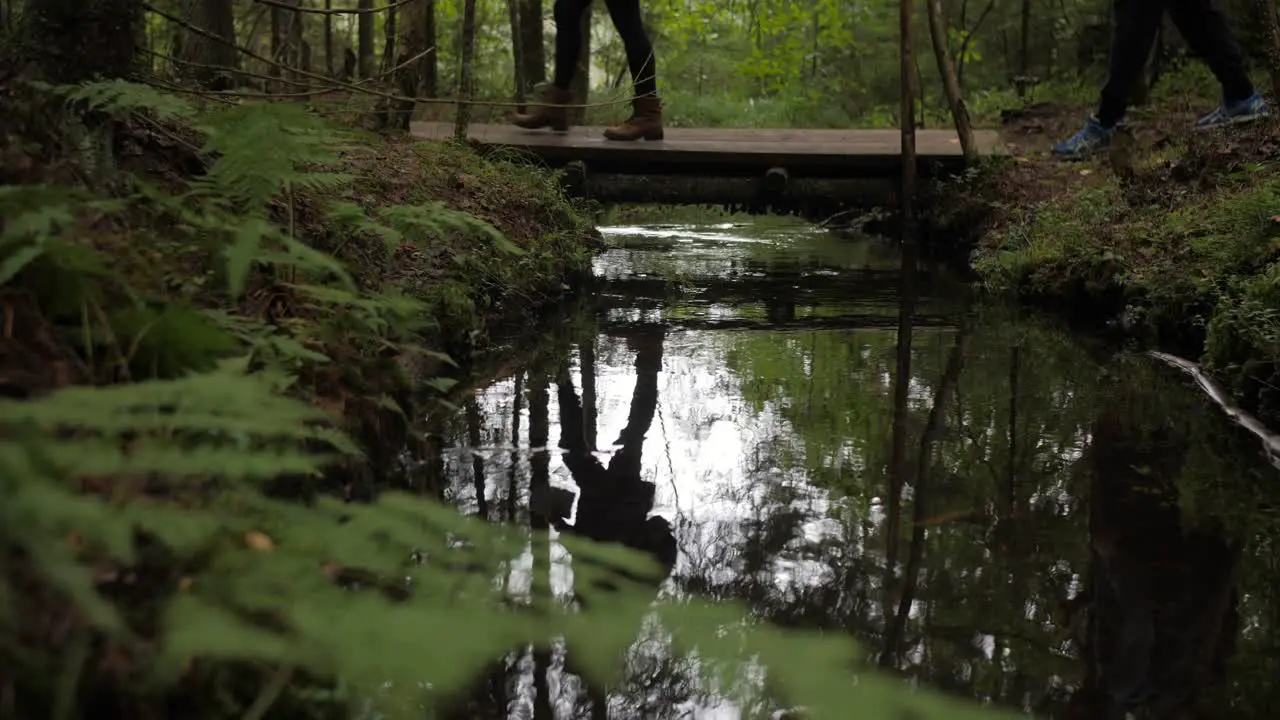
{"x":712,"y":151}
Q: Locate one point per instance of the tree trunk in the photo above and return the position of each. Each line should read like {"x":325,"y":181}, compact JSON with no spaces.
{"x":517,"y":53}
{"x":1272,"y":30}
{"x":581,"y":86}
{"x":417,"y":36}
{"x":328,"y":39}
{"x":389,"y":42}
{"x":212,"y":63}
{"x":430,"y":64}
{"x":277,"y":47}
{"x":74,"y":40}
{"x":466,"y":69}
{"x":364,"y":32}
{"x":294,"y":54}
{"x":906,"y":66}
{"x":532,"y":54}
{"x":1024,"y":38}
{"x":950,"y":83}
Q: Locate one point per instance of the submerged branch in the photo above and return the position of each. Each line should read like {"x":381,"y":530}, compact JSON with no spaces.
{"x":1220,"y":397}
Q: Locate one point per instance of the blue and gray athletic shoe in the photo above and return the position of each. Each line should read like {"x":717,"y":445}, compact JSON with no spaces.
{"x":1241,"y":111}
{"x":1088,"y":140}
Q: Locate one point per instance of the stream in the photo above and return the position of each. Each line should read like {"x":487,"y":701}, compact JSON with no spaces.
{"x":1078,"y":532}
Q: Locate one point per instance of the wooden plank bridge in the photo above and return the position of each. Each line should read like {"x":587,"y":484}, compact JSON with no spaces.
{"x":728,"y":166}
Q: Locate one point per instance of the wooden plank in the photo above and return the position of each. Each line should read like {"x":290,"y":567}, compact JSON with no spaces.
{"x":696,"y":144}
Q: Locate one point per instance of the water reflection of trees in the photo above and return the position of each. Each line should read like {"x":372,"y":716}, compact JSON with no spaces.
{"x":1034,"y":463}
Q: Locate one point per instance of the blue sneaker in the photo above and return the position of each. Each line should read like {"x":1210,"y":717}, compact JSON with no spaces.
{"x":1235,"y":113}
{"x":1088,"y":140}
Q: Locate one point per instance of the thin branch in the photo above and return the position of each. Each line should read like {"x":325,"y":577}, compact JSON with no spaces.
{"x":334,"y":84}
{"x":338,"y":11}
{"x":1221,"y":398}
{"x":260,"y":76}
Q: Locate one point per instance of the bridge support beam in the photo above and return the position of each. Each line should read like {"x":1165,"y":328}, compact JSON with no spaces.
{"x":775,"y":192}
{"x":775,"y":185}
{"x":574,"y":179}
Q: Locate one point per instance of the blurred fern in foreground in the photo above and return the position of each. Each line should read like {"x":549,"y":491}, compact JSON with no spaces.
{"x":93,"y":480}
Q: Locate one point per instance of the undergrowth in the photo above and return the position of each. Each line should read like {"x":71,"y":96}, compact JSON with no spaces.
{"x":1177,"y":250}
{"x":185,"y":346}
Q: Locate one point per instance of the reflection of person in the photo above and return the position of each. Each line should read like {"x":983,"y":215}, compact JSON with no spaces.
{"x":1204,"y":27}
{"x":613,"y":502}
{"x":646,"y":117}
{"x":1161,"y":600}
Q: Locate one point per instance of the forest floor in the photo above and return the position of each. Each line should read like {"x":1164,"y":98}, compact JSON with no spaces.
{"x":1171,"y":239}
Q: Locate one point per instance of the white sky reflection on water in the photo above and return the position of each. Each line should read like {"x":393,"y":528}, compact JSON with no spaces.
{"x":721,"y":466}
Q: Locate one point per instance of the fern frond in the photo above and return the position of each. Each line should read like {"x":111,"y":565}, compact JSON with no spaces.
{"x":120,"y":97}
{"x":261,"y":149}
{"x":353,"y":216}
{"x":223,"y":403}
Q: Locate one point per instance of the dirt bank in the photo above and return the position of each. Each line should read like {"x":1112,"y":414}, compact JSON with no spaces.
{"x":1170,"y":239}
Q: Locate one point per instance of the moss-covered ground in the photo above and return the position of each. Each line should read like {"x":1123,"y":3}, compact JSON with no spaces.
{"x":1172,"y":238}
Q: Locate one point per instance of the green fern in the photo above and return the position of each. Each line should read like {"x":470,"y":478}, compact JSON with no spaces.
{"x":263,"y":150}
{"x":120,"y":97}
{"x":36,"y":215}
{"x":235,"y":428}
{"x":423,"y":224}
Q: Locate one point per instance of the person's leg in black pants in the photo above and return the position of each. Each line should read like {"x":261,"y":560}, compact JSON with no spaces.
{"x":1136,"y":24}
{"x":1204,"y":27}
{"x":646,"y":115}
{"x":646,"y":119}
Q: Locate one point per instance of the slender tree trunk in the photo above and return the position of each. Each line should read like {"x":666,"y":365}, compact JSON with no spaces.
{"x":532,"y":53}
{"x":517,"y":399}
{"x":1024,"y":41}
{"x":328,"y":39}
{"x":277,"y":47}
{"x":1271,"y":26}
{"x":389,"y":41}
{"x":477,"y":461}
{"x":429,"y":66}
{"x":587,"y":352}
{"x":517,"y":53}
{"x":933,"y":428}
{"x":906,"y":62}
{"x":950,"y":83}
{"x":296,"y":19}
{"x":364,"y":38}
{"x":466,"y":69}
{"x":581,"y":86}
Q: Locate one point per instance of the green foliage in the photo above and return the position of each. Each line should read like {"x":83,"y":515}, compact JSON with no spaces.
{"x":144,"y":515}
{"x":255,"y":588}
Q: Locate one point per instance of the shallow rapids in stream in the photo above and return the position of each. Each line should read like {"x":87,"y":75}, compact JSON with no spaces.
{"x":1097,"y":537}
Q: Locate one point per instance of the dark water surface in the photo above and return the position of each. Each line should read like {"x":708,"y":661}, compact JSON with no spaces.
{"x":1086,"y":535}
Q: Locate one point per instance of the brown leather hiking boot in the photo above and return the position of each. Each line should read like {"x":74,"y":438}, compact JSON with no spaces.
{"x":550,"y":111}
{"x":645,"y":121}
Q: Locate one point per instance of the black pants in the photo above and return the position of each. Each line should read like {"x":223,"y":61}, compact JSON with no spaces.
{"x":1200,"y":23}
{"x":625,"y":15}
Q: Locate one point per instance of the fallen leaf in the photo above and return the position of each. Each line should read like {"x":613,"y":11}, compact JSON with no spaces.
{"x":258,"y":541}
